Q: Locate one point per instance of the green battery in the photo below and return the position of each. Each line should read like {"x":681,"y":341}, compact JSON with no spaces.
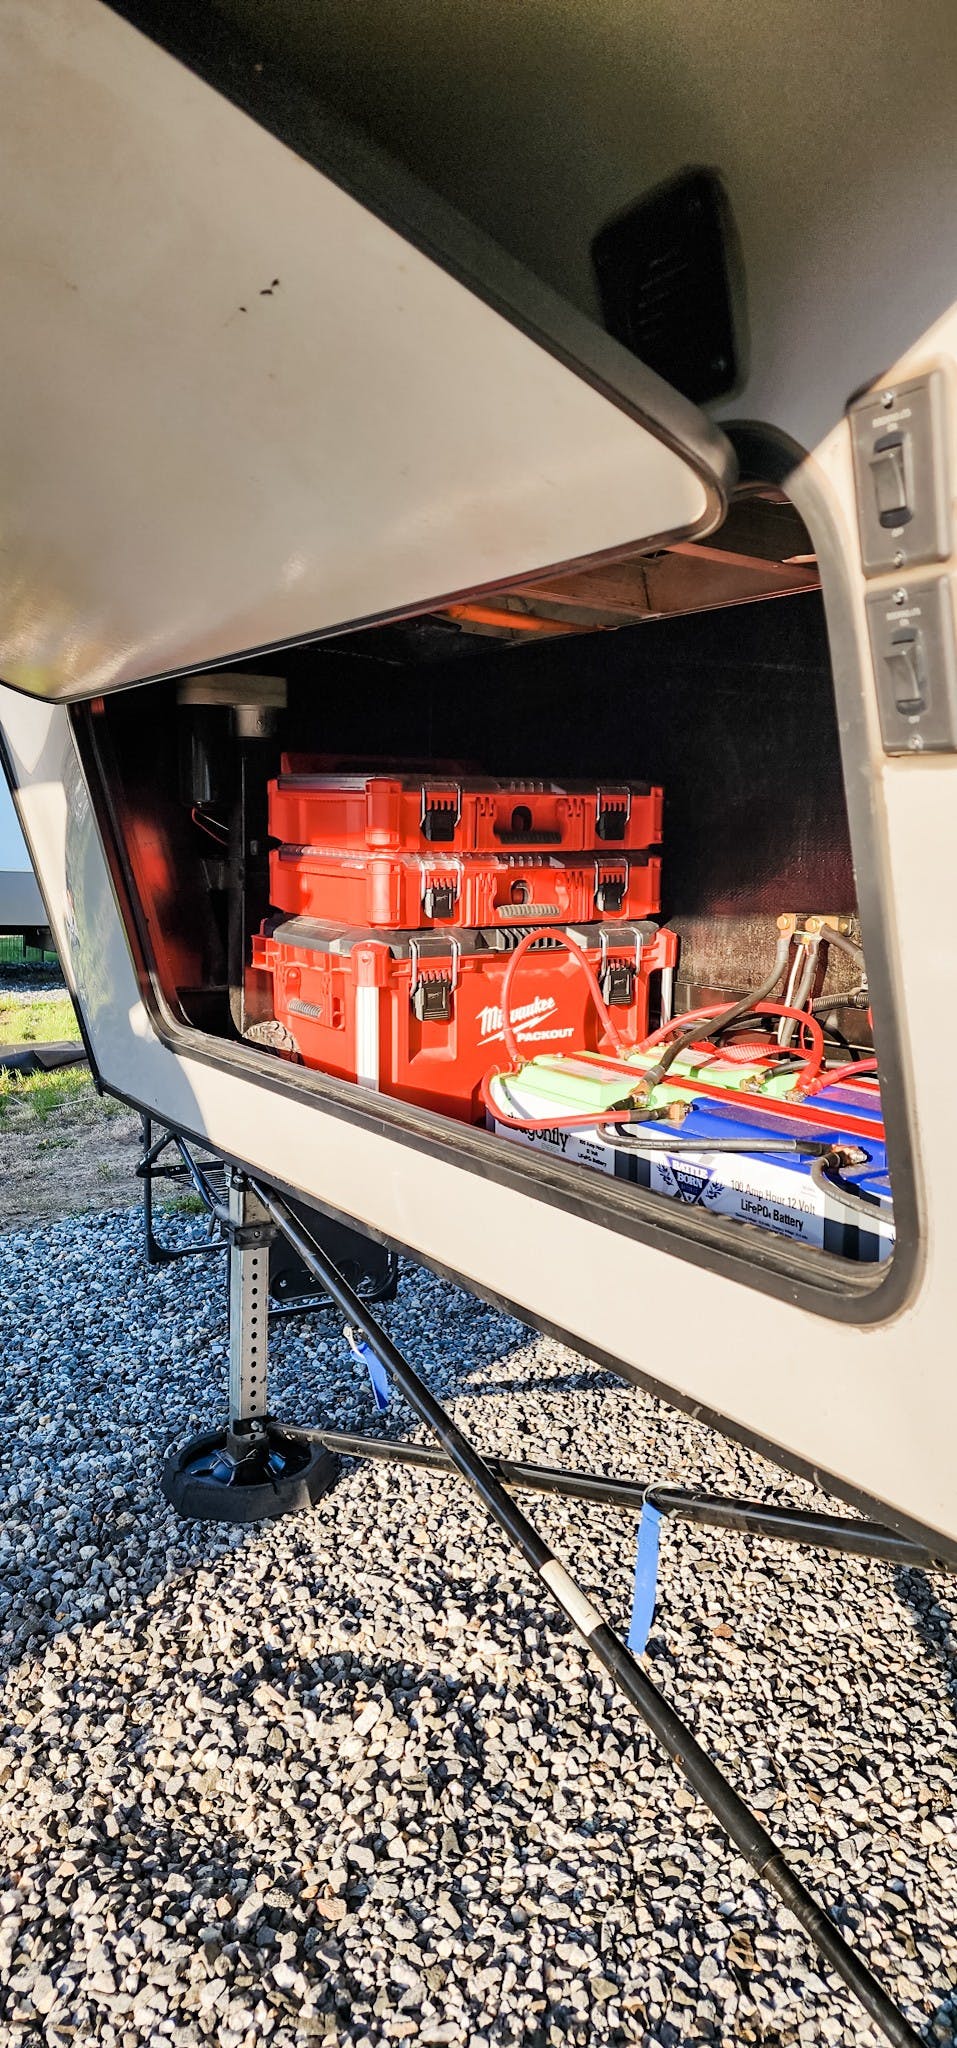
{"x":585,"y":1083}
{"x":581,"y":1085}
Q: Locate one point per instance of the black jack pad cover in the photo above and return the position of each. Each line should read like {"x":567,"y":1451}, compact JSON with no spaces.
{"x":225,"y":1476}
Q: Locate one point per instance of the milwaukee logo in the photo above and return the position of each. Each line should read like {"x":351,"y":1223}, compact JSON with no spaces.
{"x":525,"y":1019}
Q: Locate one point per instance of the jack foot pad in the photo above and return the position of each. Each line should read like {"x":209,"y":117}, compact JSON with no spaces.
{"x":252,"y":1473}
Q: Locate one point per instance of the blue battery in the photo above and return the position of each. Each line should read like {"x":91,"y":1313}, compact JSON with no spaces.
{"x":774,"y":1191}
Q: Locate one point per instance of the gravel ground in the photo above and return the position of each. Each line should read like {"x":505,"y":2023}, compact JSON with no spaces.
{"x":25,"y":980}
{"x":42,"y":990}
{"x":345,"y":1778}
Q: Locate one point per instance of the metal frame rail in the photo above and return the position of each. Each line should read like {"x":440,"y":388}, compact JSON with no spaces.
{"x":186,"y":1168}
{"x":211,"y":1181}
{"x":490,"y":1479}
{"x":681,"y":1504}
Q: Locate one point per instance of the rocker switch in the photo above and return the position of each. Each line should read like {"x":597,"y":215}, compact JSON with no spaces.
{"x":914,"y":645}
{"x":902,"y":661}
{"x":900,"y":445}
{"x":890,"y":463}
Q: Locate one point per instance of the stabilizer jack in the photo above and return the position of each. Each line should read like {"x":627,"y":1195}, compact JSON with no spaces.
{"x":747,"y":1833}
{"x":253,"y":1468}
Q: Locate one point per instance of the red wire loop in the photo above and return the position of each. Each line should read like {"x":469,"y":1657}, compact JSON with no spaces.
{"x":744,"y":1052}
{"x":584,"y":1119}
{"x":571,"y":946}
{"x":813,"y":1059}
{"x":811,"y":1079}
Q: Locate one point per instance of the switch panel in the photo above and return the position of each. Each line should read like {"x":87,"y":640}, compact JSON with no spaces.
{"x":915,"y":664}
{"x":900,"y":468}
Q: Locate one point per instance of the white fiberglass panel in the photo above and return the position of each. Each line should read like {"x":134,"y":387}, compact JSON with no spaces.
{"x":238,"y":409}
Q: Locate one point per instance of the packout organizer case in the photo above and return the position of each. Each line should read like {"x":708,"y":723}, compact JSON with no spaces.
{"x":416,"y":891}
{"x":402,"y":812}
{"x":418,"y":1014}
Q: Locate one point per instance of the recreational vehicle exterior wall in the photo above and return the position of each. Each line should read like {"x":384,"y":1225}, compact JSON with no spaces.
{"x":185,"y":506}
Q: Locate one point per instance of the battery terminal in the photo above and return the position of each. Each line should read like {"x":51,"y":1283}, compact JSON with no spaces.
{"x":816,"y":925}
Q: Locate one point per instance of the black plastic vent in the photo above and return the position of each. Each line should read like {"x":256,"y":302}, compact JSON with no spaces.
{"x":663,"y":271}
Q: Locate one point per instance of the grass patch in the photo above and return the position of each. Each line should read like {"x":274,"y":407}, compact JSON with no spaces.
{"x":64,"y":1149}
{"x":182,"y":1205}
{"x":37,"y":1019}
{"x":41,"y":1095}
{"x":112,"y":1106}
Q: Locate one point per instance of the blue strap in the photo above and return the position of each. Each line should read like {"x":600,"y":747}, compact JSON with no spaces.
{"x":646,"y":1581}
{"x":378,"y":1377}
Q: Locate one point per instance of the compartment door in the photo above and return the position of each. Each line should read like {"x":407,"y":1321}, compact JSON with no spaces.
{"x":241,"y":406}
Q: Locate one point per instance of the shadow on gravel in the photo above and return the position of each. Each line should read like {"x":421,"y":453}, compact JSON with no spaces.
{"x":87,"y":1537}
{"x":942,"y":2025}
{"x":593,"y":1380}
{"x":114,"y":1581}
{"x":934,"y":1624}
{"x":106,"y":1364}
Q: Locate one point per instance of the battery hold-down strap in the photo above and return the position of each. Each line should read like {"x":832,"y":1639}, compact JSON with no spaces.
{"x":646,"y":1581}
{"x":378,"y":1377}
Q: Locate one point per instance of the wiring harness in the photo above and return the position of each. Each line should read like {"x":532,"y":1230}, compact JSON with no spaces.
{"x":701,"y":1031}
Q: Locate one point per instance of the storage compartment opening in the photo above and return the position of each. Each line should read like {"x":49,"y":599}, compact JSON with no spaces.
{"x":382,"y":958}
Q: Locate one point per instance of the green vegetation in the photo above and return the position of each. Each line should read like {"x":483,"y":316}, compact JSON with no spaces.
{"x":36,"y":1019}
{"x":42,"y":1094}
{"x":64,"y":1149}
{"x":26,"y":1099}
{"x":182,"y":1205}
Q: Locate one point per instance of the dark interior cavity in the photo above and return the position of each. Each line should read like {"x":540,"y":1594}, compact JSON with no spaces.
{"x":732,"y":711}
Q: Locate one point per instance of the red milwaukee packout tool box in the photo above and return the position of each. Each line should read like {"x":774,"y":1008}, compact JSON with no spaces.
{"x":403,"y":812}
{"x":402,"y":891}
{"x":418,"y":1014}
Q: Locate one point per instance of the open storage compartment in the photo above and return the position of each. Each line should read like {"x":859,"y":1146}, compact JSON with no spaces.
{"x":387,"y":966}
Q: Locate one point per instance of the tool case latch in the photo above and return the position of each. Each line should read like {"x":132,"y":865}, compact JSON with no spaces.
{"x":610,"y":886}
{"x":441,"y":811}
{"x":430,"y":995}
{"x":439,"y":899}
{"x":617,"y":983}
{"x":612,"y":812}
{"x":432,"y":1000}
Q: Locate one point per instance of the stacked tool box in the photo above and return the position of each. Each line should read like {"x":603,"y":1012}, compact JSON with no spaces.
{"x":403,"y":898}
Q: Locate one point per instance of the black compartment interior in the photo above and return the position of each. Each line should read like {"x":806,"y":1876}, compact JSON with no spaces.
{"x":731,"y":710}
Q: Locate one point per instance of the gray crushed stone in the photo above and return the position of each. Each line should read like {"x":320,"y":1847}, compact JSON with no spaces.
{"x":39,"y":983}
{"x":345,"y":1778}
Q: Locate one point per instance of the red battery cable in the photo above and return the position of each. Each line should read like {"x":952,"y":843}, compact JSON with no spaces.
{"x":584,"y":1120}
{"x":513,"y":1048}
{"x":842,"y":1075}
{"x":534,"y":938}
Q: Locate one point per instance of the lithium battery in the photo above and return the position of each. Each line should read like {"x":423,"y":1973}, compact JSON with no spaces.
{"x":772,"y":1192}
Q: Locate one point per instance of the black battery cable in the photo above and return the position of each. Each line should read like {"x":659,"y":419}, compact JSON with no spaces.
{"x":828,"y":1179}
{"x":827,"y":1159}
{"x":695,"y":1035}
{"x":615,"y":1134}
{"x":844,"y":944}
